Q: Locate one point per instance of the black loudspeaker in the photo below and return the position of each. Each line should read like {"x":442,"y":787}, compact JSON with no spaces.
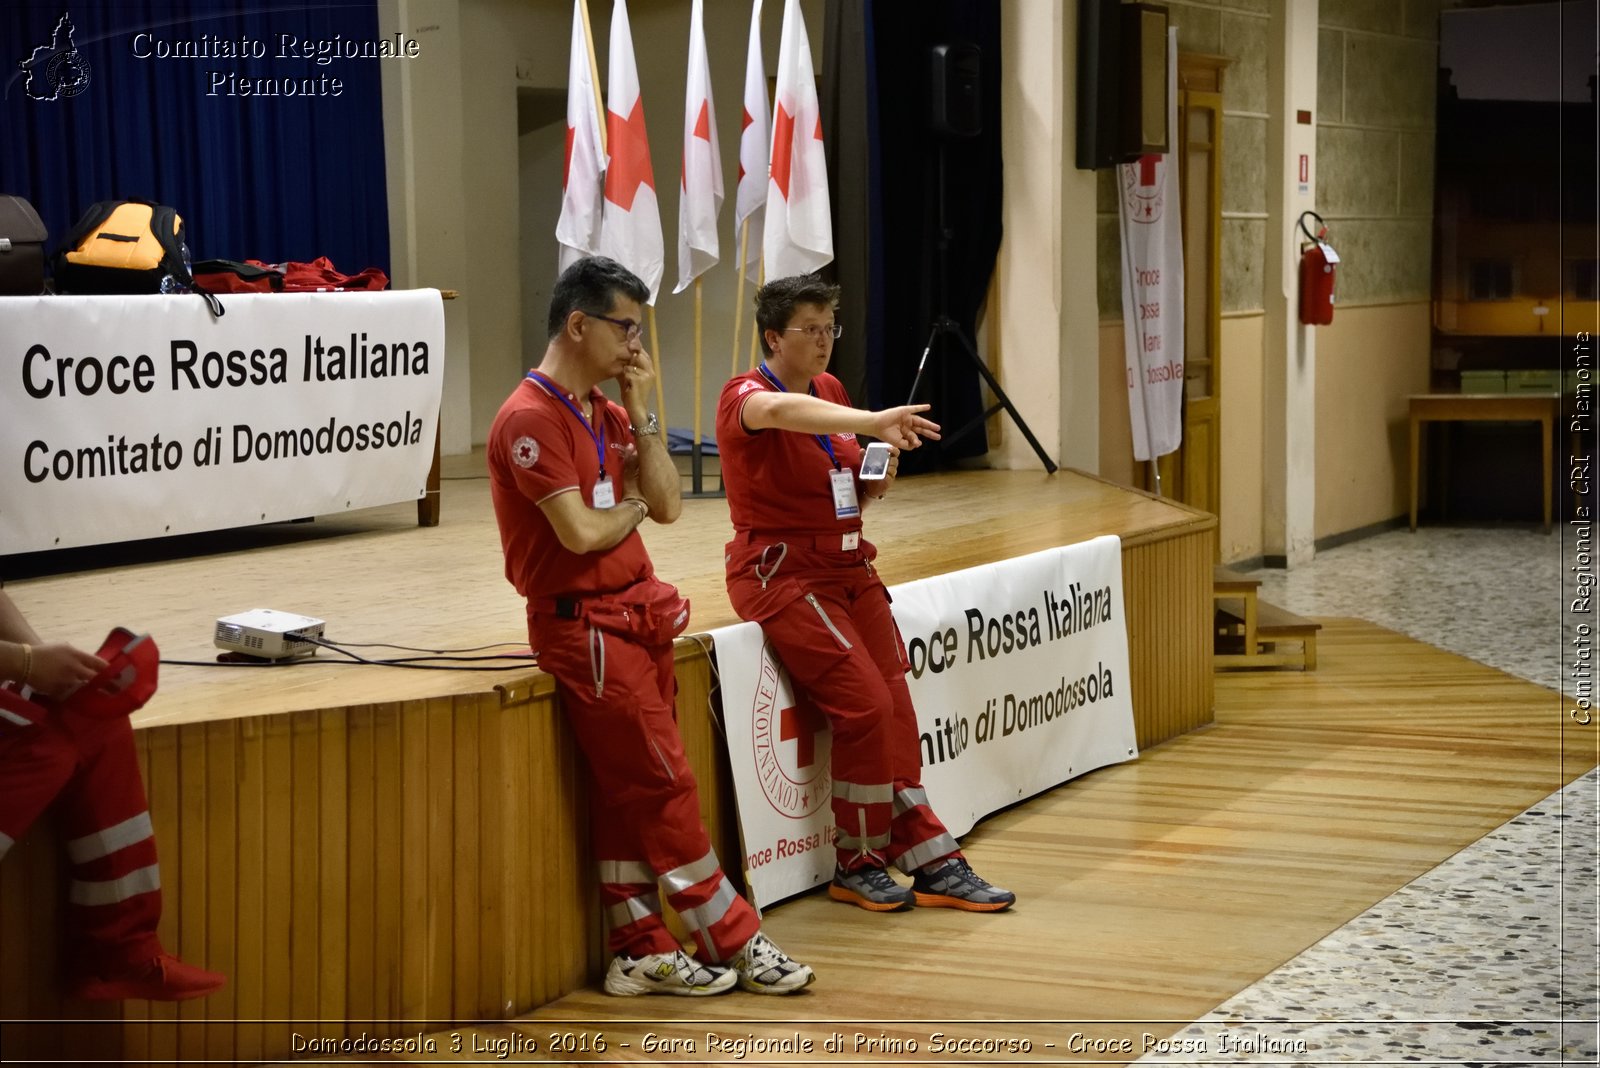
{"x":1122,"y":82}
{"x":956,"y":101}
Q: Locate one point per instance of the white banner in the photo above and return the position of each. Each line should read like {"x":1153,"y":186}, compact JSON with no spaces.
{"x":1019,"y":673}
{"x":1152,"y":287}
{"x":125,"y":417}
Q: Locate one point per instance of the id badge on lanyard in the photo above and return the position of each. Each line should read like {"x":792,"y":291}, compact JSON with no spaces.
{"x":605,"y":491}
{"x":845,"y":505}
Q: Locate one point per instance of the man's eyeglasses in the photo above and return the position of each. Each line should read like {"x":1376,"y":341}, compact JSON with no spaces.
{"x":630,"y":329}
{"x":816,"y":332}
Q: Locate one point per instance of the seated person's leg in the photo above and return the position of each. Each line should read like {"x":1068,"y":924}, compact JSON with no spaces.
{"x":831,"y":665}
{"x":115,"y":893}
{"x":920,"y":845}
{"x":36,"y":761}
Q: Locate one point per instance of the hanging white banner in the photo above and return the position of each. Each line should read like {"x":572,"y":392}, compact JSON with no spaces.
{"x":1019,"y":673}
{"x":1152,"y":287}
{"x":125,"y":417}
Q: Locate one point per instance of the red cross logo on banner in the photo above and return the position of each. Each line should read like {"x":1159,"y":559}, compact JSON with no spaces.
{"x":1143,"y":186}
{"x":1147,"y":171}
{"x":801,"y":724}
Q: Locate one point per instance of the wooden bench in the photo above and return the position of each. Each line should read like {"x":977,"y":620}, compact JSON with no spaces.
{"x":1248,"y":630}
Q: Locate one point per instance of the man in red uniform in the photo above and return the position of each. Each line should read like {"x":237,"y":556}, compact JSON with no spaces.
{"x":84,"y":762}
{"x":798,"y":565}
{"x":572,"y":476}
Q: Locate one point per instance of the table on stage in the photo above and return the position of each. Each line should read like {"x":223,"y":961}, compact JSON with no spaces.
{"x":1541,"y":408}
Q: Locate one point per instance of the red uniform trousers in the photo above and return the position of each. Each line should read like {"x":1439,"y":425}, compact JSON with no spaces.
{"x":88,"y":766}
{"x":827,"y":615}
{"x":644,"y":813}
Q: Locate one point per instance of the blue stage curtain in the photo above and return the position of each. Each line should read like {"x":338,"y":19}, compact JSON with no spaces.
{"x":273,"y":178}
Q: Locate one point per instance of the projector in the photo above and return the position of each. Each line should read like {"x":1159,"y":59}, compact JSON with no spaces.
{"x":264,"y":633}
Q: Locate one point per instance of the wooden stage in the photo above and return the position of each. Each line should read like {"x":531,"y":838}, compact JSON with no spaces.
{"x":375,"y":576}
{"x":406,"y":847}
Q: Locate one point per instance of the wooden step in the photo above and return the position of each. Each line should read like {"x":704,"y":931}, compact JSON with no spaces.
{"x":1280,"y":622}
{"x":1225,"y":582}
{"x":1273,"y":625}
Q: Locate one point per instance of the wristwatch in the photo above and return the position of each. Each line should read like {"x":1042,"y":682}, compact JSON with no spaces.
{"x":652,"y":425}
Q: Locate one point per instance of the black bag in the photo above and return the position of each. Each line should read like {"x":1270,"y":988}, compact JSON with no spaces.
{"x":22,"y":237}
{"x":126,"y":246}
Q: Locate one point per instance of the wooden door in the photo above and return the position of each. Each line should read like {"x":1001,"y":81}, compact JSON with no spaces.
{"x":1193,"y":473}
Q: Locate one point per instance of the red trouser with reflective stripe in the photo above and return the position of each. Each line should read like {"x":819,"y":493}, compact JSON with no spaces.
{"x":644,"y":811}
{"x":831,"y":626}
{"x":88,"y":766}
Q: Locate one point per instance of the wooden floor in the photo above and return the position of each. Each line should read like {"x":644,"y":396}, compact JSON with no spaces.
{"x":1150,"y":891}
{"x":446,"y":588}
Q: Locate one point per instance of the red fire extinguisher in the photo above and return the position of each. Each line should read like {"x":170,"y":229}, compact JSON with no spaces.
{"x":1317,"y":274}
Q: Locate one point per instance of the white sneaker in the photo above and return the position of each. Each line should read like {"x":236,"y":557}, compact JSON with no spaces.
{"x":763,"y":968}
{"x":666,"y":973}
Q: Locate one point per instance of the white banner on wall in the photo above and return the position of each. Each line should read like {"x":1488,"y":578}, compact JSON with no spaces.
{"x":125,"y":417}
{"x":1019,"y":673}
{"x":1152,"y":287}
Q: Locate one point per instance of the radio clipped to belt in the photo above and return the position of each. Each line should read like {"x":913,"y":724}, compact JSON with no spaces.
{"x":1317,"y":273}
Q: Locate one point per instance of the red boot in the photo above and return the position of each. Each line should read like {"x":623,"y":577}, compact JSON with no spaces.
{"x":160,"y":978}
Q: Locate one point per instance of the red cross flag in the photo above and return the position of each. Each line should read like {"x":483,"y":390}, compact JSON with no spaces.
{"x":755,"y":147}
{"x":582,"y":188}
{"x":799,"y":226}
{"x":701,"y":200}
{"x":630,"y":230}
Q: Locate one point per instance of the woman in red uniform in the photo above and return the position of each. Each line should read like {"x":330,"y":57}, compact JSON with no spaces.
{"x":53,"y":752}
{"x":786,"y":434}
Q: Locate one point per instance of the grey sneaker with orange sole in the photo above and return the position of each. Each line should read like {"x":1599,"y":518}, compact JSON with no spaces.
{"x":869,"y":888}
{"x":954,"y":885}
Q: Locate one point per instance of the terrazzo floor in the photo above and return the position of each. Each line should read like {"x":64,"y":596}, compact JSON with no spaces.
{"x":1491,"y":957}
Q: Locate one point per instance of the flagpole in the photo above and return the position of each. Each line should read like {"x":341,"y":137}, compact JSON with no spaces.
{"x":738,"y":300}
{"x":594,"y":71}
{"x":755,"y":327}
{"x":661,"y":364}
{"x":694,"y":452}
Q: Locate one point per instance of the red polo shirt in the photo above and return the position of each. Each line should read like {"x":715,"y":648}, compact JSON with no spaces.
{"x":777,"y":480}
{"x":537,"y":448}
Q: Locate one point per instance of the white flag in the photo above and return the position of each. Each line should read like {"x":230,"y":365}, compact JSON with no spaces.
{"x":582,"y":176}
{"x":630,"y":231}
{"x":799,"y":228}
{"x":1152,"y":288}
{"x":701,"y":199}
{"x":755,"y":148}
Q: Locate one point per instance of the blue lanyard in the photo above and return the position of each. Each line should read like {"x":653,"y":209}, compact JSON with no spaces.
{"x":560,"y":394}
{"x":827,"y":446}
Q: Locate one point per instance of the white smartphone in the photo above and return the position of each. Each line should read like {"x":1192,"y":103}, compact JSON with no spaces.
{"x":875,"y":463}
